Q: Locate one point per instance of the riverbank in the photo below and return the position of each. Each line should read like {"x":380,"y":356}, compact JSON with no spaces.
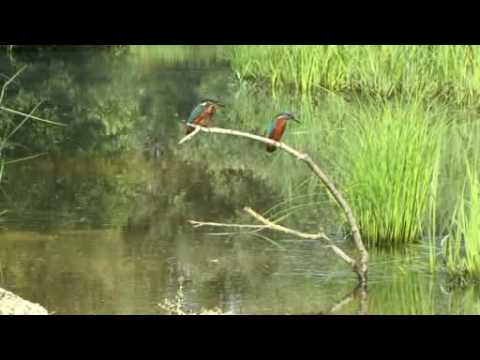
{"x":11,"y":304}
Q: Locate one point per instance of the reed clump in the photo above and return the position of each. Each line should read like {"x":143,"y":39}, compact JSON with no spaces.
{"x":451,"y":73}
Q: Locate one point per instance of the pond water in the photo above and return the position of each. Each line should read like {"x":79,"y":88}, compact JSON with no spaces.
{"x":99,"y":225}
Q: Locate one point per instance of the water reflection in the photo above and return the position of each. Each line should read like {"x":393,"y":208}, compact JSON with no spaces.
{"x":110,"y":236}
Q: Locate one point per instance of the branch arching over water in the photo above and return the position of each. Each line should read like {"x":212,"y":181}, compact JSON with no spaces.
{"x":361,"y":266}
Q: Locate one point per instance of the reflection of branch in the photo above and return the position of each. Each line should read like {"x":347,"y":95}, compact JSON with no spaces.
{"x":363,"y":293}
{"x":361,"y":267}
{"x":347,"y":299}
{"x":360,"y":292}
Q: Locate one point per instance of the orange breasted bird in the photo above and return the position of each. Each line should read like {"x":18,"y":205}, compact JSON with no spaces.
{"x":277,"y":128}
{"x":202,"y":113}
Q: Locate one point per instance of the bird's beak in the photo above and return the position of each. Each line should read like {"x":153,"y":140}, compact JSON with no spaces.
{"x":220,"y":104}
{"x":296,"y":120}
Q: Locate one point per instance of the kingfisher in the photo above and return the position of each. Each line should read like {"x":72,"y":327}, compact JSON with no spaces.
{"x":202,"y":113}
{"x":277,"y":128}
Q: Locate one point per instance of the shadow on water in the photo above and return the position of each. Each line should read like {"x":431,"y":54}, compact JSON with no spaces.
{"x":100,"y":225}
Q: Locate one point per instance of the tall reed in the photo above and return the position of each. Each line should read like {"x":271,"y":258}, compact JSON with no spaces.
{"x":462,"y":251}
{"x":390,"y":169}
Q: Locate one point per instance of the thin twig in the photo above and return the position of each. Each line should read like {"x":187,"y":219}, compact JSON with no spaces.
{"x":273,"y":226}
{"x":319,"y":236}
{"x":197,"y":224}
{"x":284,"y":229}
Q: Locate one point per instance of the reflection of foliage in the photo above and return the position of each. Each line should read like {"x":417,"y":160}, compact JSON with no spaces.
{"x":108,"y":100}
{"x":407,"y":294}
{"x":465,"y":301}
{"x":176,"y":55}
{"x":80,"y":193}
{"x":67,"y":84}
{"x":106,"y":191}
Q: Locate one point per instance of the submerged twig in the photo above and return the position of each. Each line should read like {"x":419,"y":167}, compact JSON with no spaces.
{"x":360,"y":267}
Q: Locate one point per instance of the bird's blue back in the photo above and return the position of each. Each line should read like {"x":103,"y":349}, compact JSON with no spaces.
{"x":271,"y":127}
{"x":196,"y":113}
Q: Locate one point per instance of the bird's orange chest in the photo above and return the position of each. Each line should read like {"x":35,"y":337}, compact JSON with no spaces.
{"x":279,"y":129}
{"x":206,"y":115}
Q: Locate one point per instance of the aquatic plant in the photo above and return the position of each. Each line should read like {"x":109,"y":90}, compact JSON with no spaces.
{"x":462,"y":250}
{"x":177,"y":306}
{"x":389,"y":166}
{"x":176,"y":54}
{"x":385,"y":154}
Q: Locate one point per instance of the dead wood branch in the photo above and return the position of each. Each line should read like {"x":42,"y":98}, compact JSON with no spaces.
{"x":319,"y":236}
{"x":273,"y":226}
{"x":197,"y":224}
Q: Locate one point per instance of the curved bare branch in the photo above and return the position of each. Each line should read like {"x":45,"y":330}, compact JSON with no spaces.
{"x":361,"y":267}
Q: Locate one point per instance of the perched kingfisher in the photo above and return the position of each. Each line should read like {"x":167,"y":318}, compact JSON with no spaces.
{"x":202,"y":113}
{"x":277,"y":128}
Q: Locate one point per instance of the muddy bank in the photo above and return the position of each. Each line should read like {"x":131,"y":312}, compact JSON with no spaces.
{"x":11,"y":304}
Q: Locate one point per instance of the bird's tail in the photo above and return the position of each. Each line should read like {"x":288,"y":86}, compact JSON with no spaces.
{"x":271,"y":148}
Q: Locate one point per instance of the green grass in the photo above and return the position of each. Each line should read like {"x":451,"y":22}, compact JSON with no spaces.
{"x":463,"y":246}
{"x":448,"y":72}
{"x":393,"y":125}
{"x":175,"y":54}
{"x":390,"y":160}
{"x":385,"y":155}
